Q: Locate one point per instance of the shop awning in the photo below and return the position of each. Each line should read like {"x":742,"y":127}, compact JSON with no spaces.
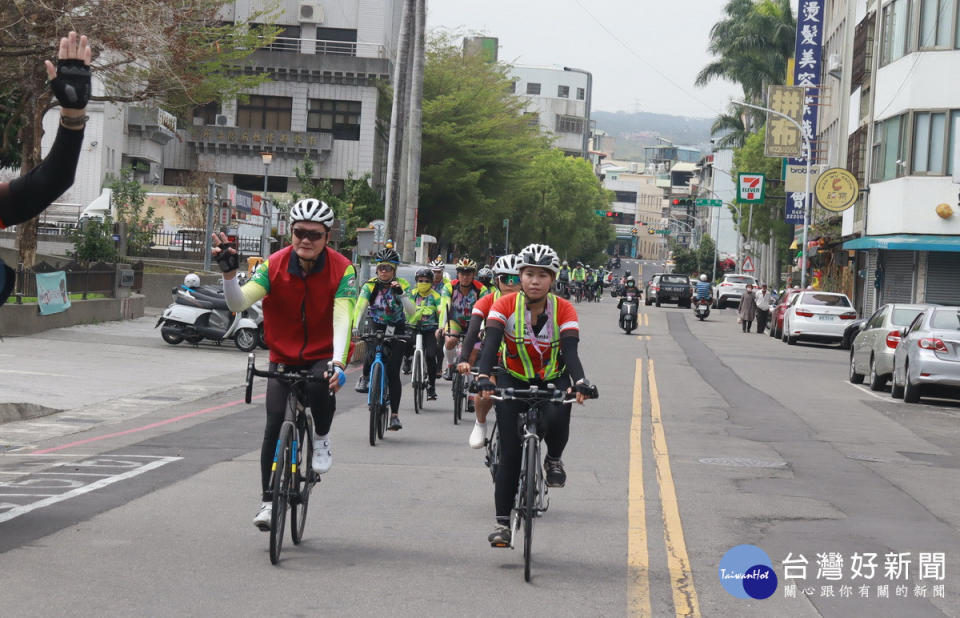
{"x":906,"y":242}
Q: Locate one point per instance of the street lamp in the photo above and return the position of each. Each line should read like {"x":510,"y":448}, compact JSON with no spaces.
{"x":806,"y":194}
{"x":267,"y":158}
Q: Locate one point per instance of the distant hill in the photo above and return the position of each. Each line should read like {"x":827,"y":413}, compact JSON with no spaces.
{"x":636,"y":130}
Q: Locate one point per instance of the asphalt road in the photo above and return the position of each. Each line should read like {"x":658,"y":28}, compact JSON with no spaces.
{"x":137,"y":499}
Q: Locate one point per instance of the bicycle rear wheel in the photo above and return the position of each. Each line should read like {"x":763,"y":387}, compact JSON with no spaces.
{"x":280,"y":487}
{"x":374,"y":399}
{"x":303,"y":480}
{"x":530,"y":500}
{"x":456,"y":389}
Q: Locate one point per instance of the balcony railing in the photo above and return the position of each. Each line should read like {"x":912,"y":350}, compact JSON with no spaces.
{"x":325,"y":48}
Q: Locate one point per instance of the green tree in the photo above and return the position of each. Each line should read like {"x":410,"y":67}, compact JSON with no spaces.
{"x":477,"y":146}
{"x":127,"y":200}
{"x":557,"y":204}
{"x":173,"y":54}
{"x":93,"y":241}
{"x":355,"y":207}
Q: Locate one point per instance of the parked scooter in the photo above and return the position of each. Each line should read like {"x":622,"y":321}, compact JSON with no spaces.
{"x":194,"y":316}
{"x":629,"y":306}
{"x":701,"y":307}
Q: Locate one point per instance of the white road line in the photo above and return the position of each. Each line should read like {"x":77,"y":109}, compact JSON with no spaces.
{"x":68,"y":473}
{"x":25,"y":496}
{"x":863,"y":389}
{"x":22,"y":510}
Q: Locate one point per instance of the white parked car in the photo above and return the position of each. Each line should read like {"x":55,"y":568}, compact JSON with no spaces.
{"x":871,"y":353}
{"x":819,"y":316}
{"x":731,"y":289}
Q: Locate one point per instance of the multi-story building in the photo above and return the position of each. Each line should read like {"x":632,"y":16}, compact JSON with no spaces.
{"x":637,"y":208}
{"x":903,"y":132}
{"x":557,"y":101}
{"x":320,"y":102}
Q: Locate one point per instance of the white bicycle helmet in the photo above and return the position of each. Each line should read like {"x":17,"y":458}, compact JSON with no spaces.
{"x":437,"y":264}
{"x":508,"y":264}
{"x":703,"y":277}
{"x":539,"y":255}
{"x":191,"y":280}
{"x":311,"y":209}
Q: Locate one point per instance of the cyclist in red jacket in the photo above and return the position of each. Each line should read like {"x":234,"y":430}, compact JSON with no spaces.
{"x":308,"y":292}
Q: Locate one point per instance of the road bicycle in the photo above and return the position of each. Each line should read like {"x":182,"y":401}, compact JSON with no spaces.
{"x":459,"y":390}
{"x":292,"y":477}
{"x":578,"y":291}
{"x":378,"y":395}
{"x":420,"y":381}
{"x":492,"y":456}
{"x":531,"y":500}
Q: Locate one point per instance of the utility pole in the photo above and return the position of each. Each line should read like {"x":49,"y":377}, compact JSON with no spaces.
{"x":397,"y":120}
{"x":414,"y":133}
{"x":211,"y":196}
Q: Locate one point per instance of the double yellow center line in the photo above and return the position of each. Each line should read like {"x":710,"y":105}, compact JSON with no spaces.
{"x":681,"y":574}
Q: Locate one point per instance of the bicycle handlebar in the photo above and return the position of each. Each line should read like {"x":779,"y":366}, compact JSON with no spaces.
{"x":298,"y":375}
{"x":535,"y":393}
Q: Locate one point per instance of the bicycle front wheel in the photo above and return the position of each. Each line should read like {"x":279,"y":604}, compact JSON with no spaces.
{"x":302,"y":483}
{"x":417,"y":381}
{"x":456,"y":389}
{"x":530,"y":500}
{"x":280,"y":486}
{"x":375,"y":403}
{"x":493,"y":451}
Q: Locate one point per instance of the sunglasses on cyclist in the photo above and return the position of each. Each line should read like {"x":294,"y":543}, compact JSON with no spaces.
{"x":510,"y":279}
{"x":385,"y":266}
{"x":314,"y":235}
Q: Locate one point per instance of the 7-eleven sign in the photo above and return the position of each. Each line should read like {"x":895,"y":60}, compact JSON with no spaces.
{"x":751,"y":188}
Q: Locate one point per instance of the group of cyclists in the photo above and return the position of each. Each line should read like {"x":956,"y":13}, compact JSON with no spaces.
{"x":581,"y":282}
{"x":508,"y":318}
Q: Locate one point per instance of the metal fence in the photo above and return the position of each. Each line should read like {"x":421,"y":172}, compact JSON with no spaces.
{"x":96,"y":278}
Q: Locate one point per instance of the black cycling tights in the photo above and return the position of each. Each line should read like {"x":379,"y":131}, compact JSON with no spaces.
{"x":557,"y":433}
{"x":322,"y":405}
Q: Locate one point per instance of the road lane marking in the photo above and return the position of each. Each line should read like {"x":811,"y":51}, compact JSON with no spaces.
{"x":681,"y":574}
{"x":144,"y":427}
{"x":638,"y":559}
{"x":646,"y":319}
{"x":864,"y":389}
{"x":98,"y":484}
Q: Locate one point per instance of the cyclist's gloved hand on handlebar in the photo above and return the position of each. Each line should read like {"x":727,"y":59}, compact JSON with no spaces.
{"x":485,"y":386}
{"x":337,"y":378}
{"x":583,"y":389}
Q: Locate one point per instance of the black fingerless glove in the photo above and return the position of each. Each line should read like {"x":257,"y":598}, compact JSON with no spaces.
{"x":484,"y":384}
{"x":227,"y":260}
{"x":72,"y":83}
{"x":585,"y":388}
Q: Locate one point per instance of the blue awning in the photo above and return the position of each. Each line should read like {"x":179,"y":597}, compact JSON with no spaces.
{"x":906,"y":242}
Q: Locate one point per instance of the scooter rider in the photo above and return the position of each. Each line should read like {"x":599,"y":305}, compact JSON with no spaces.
{"x":704,"y":290}
{"x":308,"y":292}
{"x":629,"y":288}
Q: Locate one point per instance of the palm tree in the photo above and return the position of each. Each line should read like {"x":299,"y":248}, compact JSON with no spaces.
{"x":752,"y":43}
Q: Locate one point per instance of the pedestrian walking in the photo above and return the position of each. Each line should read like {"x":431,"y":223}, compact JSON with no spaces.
{"x":748,"y":308}
{"x":764,"y":300}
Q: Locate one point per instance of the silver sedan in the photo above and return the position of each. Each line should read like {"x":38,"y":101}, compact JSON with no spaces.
{"x":871,"y":353}
{"x":928,"y":356}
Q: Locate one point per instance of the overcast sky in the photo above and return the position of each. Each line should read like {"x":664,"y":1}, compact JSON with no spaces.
{"x":666,"y":36}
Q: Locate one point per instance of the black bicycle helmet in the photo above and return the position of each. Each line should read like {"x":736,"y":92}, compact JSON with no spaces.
{"x":424,"y":273}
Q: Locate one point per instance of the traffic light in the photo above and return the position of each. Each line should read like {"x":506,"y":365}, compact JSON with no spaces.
{"x":609,"y":213}
{"x":682,"y":201}
{"x":651,"y":231}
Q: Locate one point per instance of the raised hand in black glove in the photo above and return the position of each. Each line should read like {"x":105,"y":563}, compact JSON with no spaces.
{"x":70,"y":79}
{"x":224,"y":253}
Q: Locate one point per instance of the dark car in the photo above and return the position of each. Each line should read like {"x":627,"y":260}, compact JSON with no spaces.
{"x":671,"y":288}
{"x":850,"y":333}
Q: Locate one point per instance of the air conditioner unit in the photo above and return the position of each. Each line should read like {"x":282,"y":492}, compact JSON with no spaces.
{"x":833,"y":63}
{"x":311,"y":13}
{"x":221,"y":120}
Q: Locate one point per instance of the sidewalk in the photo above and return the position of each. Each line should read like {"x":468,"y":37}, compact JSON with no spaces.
{"x":106,"y":372}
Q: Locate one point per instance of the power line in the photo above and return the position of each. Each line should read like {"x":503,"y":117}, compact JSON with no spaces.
{"x":645,"y":61}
